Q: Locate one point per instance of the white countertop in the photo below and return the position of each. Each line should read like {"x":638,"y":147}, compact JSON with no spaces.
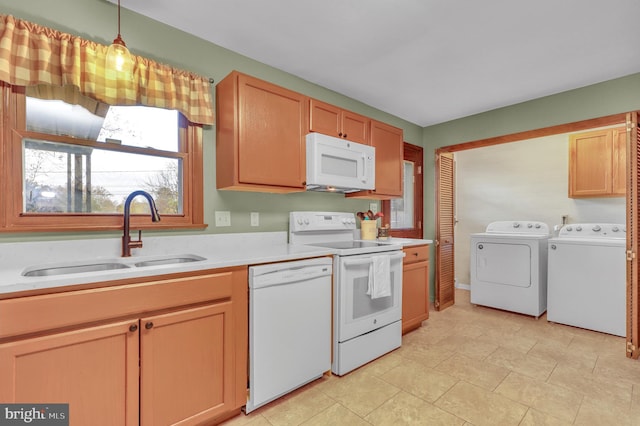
{"x":406,"y":242}
{"x":219,"y":251}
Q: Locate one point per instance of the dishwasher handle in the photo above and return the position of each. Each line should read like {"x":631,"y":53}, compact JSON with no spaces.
{"x":290,"y":276}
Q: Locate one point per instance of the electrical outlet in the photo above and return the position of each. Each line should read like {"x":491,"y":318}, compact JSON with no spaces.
{"x":373,"y":207}
{"x":223,"y":218}
{"x":255,"y":219}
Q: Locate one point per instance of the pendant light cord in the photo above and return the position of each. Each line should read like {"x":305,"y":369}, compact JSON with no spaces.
{"x":118,"y":18}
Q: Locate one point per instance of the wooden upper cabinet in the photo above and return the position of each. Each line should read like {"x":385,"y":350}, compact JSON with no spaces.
{"x":389,"y":145}
{"x":597,"y":163}
{"x":260,"y":135}
{"x":619,"y":185}
{"x":333,"y":121}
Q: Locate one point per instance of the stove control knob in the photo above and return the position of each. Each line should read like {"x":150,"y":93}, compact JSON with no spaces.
{"x":529,"y":225}
{"x":300,"y":221}
{"x":306,"y":221}
{"x":569,"y":228}
{"x":596,"y":228}
{"x":615,"y":229}
{"x":516,"y":225}
{"x":578,"y":228}
{"x":537,"y":226}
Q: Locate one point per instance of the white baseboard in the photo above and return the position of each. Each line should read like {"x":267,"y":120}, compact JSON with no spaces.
{"x":462,"y":286}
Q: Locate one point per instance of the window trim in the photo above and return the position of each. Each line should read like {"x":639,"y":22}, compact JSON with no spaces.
{"x":12,"y":219}
{"x":414,"y":154}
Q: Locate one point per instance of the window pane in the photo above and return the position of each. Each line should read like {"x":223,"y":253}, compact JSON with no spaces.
{"x":127,"y":125}
{"x":65,"y":178}
{"x":402,"y":209}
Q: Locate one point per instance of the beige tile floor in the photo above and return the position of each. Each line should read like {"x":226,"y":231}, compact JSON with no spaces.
{"x":471,"y":365}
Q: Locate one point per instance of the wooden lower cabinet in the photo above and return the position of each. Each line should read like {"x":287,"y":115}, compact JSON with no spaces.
{"x":93,"y":369}
{"x":181,"y":352}
{"x":415,"y":287}
{"x":182,"y":365}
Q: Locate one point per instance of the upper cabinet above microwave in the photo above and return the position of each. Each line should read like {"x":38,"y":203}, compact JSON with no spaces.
{"x":260,"y":136}
{"x":333,"y":121}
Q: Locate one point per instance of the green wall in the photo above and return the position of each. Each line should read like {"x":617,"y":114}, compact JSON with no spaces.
{"x":97,"y":20}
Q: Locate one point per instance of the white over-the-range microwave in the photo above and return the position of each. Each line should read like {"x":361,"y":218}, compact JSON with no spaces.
{"x":339,"y":165}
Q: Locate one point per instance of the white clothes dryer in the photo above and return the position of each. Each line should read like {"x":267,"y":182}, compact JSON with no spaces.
{"x":508,"y":267}
{"x":587,"y":277}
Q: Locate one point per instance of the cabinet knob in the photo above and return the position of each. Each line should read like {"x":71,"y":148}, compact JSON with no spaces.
{"x":345,"y":135}
{"x":133,"y":327}
{"x":415,"y":254}
{"x":148,"y":325}
{"x":340,"y":134}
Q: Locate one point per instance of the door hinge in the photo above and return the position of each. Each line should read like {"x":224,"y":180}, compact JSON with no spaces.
{"x":630,"y":255}
{"x":436,"y":303}
{"x":419,"y":224}
{"x":419,"y":170}
{"x":630,"y":347}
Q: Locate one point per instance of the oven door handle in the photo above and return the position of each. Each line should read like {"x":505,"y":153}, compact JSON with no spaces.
{"x":367,"y":260}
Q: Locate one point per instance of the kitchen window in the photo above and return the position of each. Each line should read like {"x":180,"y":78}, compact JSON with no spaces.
{"x":404,"y":215}
{"x":69,"y":165}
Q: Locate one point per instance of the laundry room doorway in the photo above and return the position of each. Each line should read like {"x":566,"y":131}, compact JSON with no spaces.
{"x":446,"y":209}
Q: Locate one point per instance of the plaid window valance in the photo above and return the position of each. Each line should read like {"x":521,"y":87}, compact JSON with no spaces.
{"x":31,"y":54}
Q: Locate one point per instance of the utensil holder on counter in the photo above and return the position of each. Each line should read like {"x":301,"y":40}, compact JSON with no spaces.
{"x":368,"y":229}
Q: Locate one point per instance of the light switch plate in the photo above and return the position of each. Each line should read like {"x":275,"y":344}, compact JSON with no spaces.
{"x":255,"y":219}
{"x":223,"y":218}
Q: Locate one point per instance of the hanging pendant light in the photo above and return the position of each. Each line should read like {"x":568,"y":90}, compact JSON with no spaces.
{"x":118,"y":56}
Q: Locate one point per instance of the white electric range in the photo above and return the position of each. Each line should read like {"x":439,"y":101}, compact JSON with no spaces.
{"x":367,"y":281}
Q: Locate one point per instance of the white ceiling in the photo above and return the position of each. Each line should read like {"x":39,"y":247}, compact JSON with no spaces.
{"x":426,"y":61}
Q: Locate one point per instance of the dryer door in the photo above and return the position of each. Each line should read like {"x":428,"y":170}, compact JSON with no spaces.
{"x":500,"y":263}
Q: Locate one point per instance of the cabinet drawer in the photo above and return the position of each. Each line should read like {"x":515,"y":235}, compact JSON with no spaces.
{"x":416,"y":253}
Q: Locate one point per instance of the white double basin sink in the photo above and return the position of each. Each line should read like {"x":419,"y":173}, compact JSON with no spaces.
{"x":65,"y":268}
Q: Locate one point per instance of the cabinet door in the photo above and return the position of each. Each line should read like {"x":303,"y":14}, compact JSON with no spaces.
{"x":94,"y":370}
{"x":387,"y":141}
{"x":415,"y":295}
{"x":272,"y":127}
{"x":330,"y":120}
{"x":619,"y":185}
{"x":355,"y":127}
{"x":324,"y":118}
{"x":590,"y":164}
{"x":187,"y":365}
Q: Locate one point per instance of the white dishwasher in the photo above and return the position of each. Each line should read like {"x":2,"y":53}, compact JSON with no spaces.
{"x":289,"y":327}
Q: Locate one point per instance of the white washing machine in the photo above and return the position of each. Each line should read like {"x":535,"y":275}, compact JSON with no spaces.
{"x":508,"y":267}
{"x":587,"y":277}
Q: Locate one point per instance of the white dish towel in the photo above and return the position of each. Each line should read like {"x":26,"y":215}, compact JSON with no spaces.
{"x":379,"y":277}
